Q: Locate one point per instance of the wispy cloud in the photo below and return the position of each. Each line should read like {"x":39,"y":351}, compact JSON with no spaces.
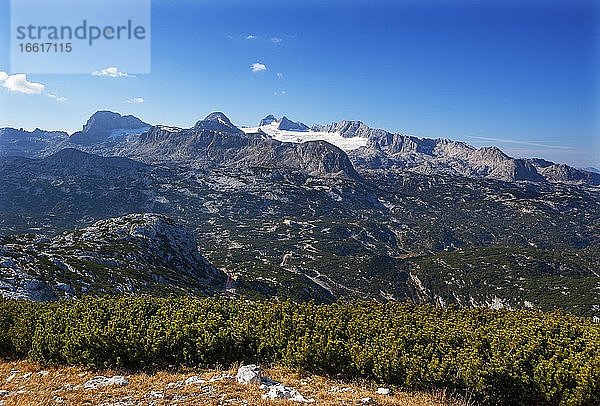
{"x":279,"y":75}
{"x":528,"y":143}
{"x":135,"y":100}
{"x":19,"y":83}
{"x":251,"y":36}
{"x":59,"y":99}
{"x":258,"y":67}
{"x":113,"y":72}
{"x":280,"y":93}
{"x":276,"y":40}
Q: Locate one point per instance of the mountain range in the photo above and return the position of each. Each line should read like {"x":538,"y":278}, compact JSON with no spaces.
{"x":215,"y":140}
{"x":284,"y":210}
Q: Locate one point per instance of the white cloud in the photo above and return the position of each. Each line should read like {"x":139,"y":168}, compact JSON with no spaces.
{"x":528,"y":143}
{"x":249,"y":37}
{"x":57,"y":98}
{"x":276,"y":40}
{"x":19,"y":83}
{"x":136,"y":100}
{"x":279,"y":75}
{"x":280,"y":93}
{"x":113,"y":72}
{"x":258,"y":67}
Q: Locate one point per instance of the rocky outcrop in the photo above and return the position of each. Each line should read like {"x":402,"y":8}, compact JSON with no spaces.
{"x":248,"y":375}
{"x":138,"y":253}
{"x":316,"y":158}
{"x":251,"y":375}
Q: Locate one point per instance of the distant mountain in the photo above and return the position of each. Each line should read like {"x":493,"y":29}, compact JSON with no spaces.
{"x":217,"y":122}
{"x":139,"y":253}
{"x":106,"y":126}
{"x":283,"y":124}
{"x":591,"y":169}
{"x":214,"y":141}
{"x":289,"y":125}
{"x":18,"y":142}
{"x":350,"y":129}
{"x":72,"y":185}
{"x":270,"y":119}
{"x":385,"y":150}
{"x":563,"y":173}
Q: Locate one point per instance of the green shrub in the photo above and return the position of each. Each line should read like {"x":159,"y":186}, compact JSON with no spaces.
{"x":499,"y":356}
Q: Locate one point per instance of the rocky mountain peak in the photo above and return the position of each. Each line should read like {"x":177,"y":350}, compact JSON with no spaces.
{"x":108,"y":120}
{"x":217,"y":121}
{"x":267,"y":120}
{"x":288,"y":125}
{"x":219,"y":117}
{"x":103,"y":124}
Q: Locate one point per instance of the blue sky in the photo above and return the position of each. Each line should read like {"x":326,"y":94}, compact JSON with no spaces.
{"x":520,"y":75}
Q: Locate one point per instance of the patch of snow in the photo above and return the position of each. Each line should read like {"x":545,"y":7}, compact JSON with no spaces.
{"x":298,"y":137}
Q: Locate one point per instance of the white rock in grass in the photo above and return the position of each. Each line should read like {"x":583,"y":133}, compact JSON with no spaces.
{"x":155,"y":394}
{"x":194,"y":380}
{"x":174,"y":385}
{"x":102,"y":381}
{"x":280,"y":391}
{"x":383,"y":391}
{"x":13,"y":375}
{"x":221,"y":377}
{"x":248,"y":374}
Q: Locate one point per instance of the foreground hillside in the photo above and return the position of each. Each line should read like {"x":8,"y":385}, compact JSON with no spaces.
{"x":496,"y":357}
{"x":25,"y":383}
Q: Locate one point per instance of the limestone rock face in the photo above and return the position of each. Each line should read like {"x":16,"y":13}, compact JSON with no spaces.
{"x":103,"y":125}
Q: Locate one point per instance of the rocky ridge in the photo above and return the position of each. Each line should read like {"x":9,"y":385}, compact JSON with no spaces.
{"x":136,"y":253}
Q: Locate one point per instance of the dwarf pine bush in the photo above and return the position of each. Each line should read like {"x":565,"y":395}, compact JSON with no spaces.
{"x":499,"y":356}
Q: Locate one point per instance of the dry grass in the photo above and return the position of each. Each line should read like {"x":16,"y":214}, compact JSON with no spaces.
{"x":64,"y":385}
